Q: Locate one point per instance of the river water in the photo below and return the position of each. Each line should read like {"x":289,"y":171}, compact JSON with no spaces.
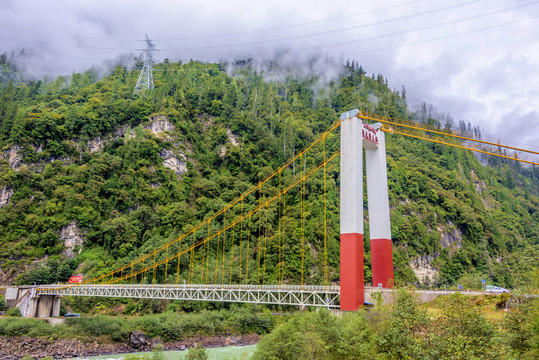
{"x":223,"y":353}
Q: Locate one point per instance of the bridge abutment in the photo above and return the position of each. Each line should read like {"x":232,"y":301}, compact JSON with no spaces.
{"x":31,"y":304}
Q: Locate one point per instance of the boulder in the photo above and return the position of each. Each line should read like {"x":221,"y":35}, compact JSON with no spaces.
{"x":139,"y":340}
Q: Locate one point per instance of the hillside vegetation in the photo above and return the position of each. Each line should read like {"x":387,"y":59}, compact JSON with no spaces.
{"x":92,"y":177}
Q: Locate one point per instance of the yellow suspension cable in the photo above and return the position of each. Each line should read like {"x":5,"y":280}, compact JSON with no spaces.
{"x":154,"y":267}
{"x":259,"y":248}
{"x":216,"y":259}
{"x":335,"y":126}
{"x":179,"y":258}
{"x":166,"y":266}
{"x":191,"y":260}
{"x":281,"y":280}
{"x":143,"y":275}
{"x":247,"y":256}
{"x":325,"y":220}
{"x":302,"y":221}
{"x":279,"y":233}
{"x":459,"y":146}
{"x":223,"y":230}
{"x":425,"y":127}
{"x":241,"y":236}
{"x":207,"y":258}
{"x":265,"y":246}
{"x":232,"y":252}
{"x":204,"y":255}
{"x":224,"y":242}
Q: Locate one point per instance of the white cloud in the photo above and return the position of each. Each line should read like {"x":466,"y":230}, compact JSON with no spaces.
{"x":488,"y":77}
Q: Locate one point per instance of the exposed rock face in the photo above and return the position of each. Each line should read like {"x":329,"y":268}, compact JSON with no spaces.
{"x":222,"y":152}
{"x":120,"y":132}
{"x":15,"y":159}
{"x":423,"y":269}
{"x":95,"y":145}
{"x":232,"y":138}
{"x":479,"y":184}
{"x":206,"y":122}
{"x":177,"y":164}
{"x":70,"y":234}
{"x":159,"y":124}
{"x":5,"y":195}
{"x":449,"y":238}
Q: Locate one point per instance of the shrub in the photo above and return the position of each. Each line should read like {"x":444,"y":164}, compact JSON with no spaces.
{"x":14,"y":327}
{"x":14,"y":311}
{"x":115,"y":328}
{"x":245,"y":322}
{"x":3,"y":305}
{"x":197,"y":353}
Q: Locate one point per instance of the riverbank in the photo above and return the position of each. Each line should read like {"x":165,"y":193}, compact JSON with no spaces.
{"x":18,"y":347}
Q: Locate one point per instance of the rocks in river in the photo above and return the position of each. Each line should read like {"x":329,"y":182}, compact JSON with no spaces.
{"x":139,"y":340}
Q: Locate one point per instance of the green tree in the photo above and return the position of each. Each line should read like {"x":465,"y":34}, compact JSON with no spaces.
{"x":398,"y":328}
{"x":462,"y":332}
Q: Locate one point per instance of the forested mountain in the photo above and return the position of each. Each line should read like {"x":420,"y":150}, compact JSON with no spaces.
{"x":92,"y":177}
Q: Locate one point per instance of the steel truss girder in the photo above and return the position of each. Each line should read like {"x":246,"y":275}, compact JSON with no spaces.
{"x":321,"y":296}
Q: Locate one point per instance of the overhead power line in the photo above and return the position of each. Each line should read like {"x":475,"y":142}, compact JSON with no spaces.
{"x":277,"y":28}
{"x":433,"y":26}
{"x":295,"y":37}
{"x":11,"y":29}
{"x":444,"y":37}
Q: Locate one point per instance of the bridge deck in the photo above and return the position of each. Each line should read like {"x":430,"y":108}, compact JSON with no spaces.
{"x":323,"y":296}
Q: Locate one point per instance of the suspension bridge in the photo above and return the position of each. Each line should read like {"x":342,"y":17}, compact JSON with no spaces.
{"x":257,"y":249}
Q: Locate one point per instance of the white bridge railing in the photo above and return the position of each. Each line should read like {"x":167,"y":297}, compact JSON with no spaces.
{"x":307,"y":295}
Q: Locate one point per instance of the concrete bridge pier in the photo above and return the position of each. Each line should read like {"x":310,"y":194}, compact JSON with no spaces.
{"x":32,"y":305}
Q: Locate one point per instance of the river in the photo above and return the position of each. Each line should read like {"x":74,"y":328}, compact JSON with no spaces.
{"x":223,"y":353}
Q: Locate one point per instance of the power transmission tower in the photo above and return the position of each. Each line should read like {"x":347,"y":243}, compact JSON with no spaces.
{"x":145,"y":79}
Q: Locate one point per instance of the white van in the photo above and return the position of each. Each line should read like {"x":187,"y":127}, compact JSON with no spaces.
{"x":492,"y":288}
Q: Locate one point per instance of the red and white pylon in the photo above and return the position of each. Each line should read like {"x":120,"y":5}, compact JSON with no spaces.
{"x":356,"y":136}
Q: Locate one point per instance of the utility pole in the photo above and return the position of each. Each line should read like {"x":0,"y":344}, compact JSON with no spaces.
{"x":145,"y":79}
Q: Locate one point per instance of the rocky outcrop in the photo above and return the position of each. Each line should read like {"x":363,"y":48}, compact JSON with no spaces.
{"x":232,"y":138}
{"x":177,"y":163}
{"x":70,"y":234}
{"x":95,"y":145}
{"x":5,"y":195}
{"x":206,"y":122}
{"x":423,"y":269}
{"x":14,"y":157}
{"x":451,"y":238}
{"x":159,"y":124}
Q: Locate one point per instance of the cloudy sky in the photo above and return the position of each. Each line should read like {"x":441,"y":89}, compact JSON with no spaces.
{"x":477,"y":60}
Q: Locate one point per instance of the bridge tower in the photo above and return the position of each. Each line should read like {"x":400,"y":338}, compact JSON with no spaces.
{"x":356,"y":136}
